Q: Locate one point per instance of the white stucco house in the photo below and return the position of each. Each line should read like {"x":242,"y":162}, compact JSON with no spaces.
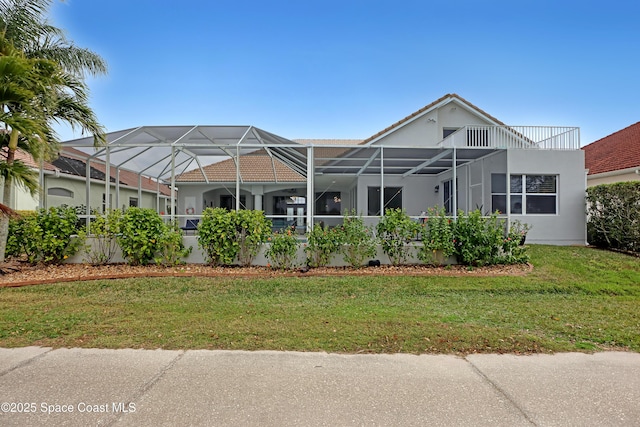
{"x":450,"y":154}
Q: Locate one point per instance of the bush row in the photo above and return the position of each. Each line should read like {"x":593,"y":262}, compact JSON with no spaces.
{"x":613,"y":216}
{"x":227,"y":237}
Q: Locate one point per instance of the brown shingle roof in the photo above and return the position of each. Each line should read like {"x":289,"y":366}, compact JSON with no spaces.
{"x":254,"y":167}
{"x":620,"y":150}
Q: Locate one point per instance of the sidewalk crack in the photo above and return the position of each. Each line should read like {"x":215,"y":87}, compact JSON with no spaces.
{"x":500,"y":391}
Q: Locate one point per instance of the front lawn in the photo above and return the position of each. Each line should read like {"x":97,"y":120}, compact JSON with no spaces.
{"x":575,"y":299}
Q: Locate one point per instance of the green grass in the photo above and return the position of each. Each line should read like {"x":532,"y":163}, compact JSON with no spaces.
{"x":575,"y":299}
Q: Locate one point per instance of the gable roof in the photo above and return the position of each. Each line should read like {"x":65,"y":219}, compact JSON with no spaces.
{"x":620,"y":150}
{"x":444,"y":100}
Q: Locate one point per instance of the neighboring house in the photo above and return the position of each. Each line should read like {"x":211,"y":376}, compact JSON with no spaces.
{"x":614,"y":158}
{"x":63,"y":182}
{"x":449,"y":154}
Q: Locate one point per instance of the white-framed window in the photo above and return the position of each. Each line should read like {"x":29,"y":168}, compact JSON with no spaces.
{"x":530,"y":194}
{"x":59,"y":191}
{"x":133,"y":202}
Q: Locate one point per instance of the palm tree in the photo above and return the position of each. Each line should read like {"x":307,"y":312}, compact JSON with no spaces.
{"x":43,"y":85}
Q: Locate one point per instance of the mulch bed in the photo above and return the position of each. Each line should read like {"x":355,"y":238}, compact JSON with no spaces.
{"x":18,"y":273}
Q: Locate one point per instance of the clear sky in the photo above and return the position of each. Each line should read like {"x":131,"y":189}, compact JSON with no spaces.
{"x":350,"y":68}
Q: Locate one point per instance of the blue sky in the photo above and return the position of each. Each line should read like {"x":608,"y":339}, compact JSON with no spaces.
{"x":348,"y":69}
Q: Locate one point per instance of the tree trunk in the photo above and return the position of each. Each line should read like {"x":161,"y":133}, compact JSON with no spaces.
{"x":6,"y":198}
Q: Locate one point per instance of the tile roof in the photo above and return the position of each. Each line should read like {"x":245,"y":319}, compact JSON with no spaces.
{"x":620,"y":150}
{"x":254,"y":167}
{"x":26,"y":158}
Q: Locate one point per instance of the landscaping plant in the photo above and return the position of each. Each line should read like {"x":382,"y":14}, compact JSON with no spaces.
{"x":217,"y":236}
{"x":283,"y":249}
{"x":438,"y":241}
{"x":358,"y":241}
{"x":613,"y":216}
{"x":49,"y":237}
{"x":396,"y":230}
{"x":171,"y":248}
{"x":322,"y":243}
{"x":252,"y":229}
{"x":103,"y":231}
{"x":139,"y":237}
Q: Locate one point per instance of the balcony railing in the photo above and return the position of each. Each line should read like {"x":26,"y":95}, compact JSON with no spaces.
{"x":515,"y":137}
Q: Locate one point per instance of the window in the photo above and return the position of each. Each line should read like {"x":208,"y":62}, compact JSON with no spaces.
{"x":447,"y":195}
{"x":228,"y":202}
{"x":104,"y":206}
{"x":530,"y":194}
{"x":328,"y":203}
{"x":133,"y":202}
{"x":392,"y":199}
{"x":448,"y":131}
{"x":61,"y":192}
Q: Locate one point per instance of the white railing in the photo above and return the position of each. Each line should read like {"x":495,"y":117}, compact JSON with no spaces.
{"x":515,"y":137}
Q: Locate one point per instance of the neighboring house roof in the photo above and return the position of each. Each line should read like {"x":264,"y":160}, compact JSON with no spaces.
{"x":254,"y":167}
{"x":448,"y":97}
{"x":620,"y":150}
{"x":26,"y":158}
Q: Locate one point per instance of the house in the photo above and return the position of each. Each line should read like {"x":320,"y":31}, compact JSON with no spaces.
{"x":614,"y":158}
{"x":63,"y":182}
{"x":449,"y":154}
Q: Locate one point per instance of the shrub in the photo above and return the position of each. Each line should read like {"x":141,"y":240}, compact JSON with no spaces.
{"x":171,"y":248}
{"x":252,"y":230}
{"x":217,"y":236}
{"x":322,"y":244}
{"x":50,"y":236}
{"x":478,"y":239}
{"x":396,"y":230}
{"x":613,"y":216}
{"x":358,"y":241}
{"x":437,"y":237}
{"x":513,"y":249}
{"x":283,"y":249}
{"x":104,"y":229}
{"x":139,"y":237}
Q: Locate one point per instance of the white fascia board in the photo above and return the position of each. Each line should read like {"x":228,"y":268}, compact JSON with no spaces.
{"x":615,"y":172}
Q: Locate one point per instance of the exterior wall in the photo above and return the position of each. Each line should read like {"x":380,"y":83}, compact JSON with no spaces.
{"x":427,"y":130}
{"x":610,"y":178}
{"x":78,"y":187}
{"x":568,"y":226}
{"x":418,"y":192}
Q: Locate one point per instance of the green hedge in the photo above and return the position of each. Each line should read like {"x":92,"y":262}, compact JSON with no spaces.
{"x":613,"y":216}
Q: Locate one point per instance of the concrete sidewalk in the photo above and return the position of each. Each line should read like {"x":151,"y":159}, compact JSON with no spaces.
{"x":79,"y":387}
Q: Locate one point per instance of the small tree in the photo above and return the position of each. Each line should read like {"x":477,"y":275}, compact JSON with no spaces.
{"x":322,"y":243}
{"x":217,"y":236}
{"x":252,"y":230}
{"x":139,"y":237}
{"x":358,"y":241}
{"x":396,"y":230}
